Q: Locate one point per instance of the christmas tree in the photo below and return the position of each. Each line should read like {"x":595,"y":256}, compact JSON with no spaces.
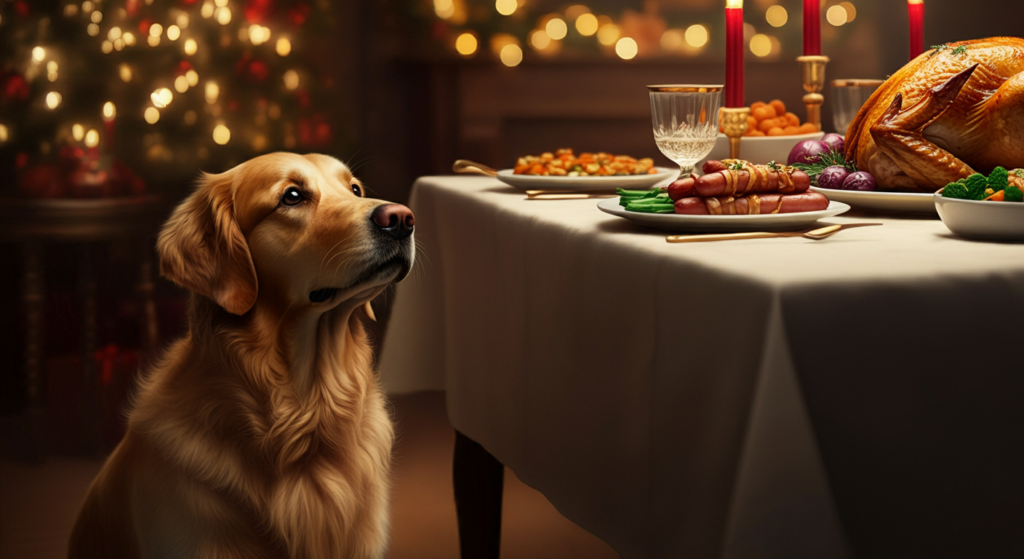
{"x":102,"y":97}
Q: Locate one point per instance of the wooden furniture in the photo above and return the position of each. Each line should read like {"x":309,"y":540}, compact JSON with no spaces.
{"x":34,"y":224}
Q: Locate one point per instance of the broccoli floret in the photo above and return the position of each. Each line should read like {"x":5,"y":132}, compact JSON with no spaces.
{"x":999,"y":179}
{"x":976,"y":185}
{"x":955,"y":190}
{"x":1013,"y":194}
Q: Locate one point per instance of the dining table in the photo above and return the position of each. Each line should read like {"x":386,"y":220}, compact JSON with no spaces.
{"x":857,"y":396}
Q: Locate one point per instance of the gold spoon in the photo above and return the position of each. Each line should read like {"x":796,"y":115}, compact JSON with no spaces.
{"x":467,"y":167}
{"x":815,"y":234}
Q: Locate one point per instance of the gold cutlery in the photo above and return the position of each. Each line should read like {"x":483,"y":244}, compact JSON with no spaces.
{"x":467,"y":167}
{"x":815,"y":234}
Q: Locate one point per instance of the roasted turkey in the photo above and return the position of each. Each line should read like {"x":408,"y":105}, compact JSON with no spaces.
{"x":950,"y":112}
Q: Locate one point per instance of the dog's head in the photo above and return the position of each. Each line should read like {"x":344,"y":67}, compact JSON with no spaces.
{"x":296,"y":230}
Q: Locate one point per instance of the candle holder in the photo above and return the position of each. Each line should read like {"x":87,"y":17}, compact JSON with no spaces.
{"x":734,"y":124}
{"x":812,"y":69}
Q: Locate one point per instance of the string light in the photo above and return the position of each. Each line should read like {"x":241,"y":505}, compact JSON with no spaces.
{"x":92,"y":137}
{"x":836,"y":15}
{"x":586,"y":24}
{"x":284,"y":46}
{"x":97,"y":16}
{"x":220,"y":3}
{"x":851,"y":11}
{"x":129,"y":39}
{"x":3,"y":133}
{"x":181,"y":84}
{"x":511,"y":55}
{"x":109,"y":111}
{"x":191,"y":47}
{"x":274,"y":111}
{"x":626,"y":48}
{"x":223,"y":16}
{"x":776,"y":16}
{"x":161,"y":97}
{"x":207,"y":10}
{"x":466,"y":44}
{"x":156,"y":30}
{"x":78,"y":132}
{"x":173,"y":32}
{"x":212,"y":92}
{"x":539,"y":39}
{"x":114,"y":33}
{"x":52,"y":100}
{"x":182,"y":20}
{"x":760,"y":45}
{"x":70,"y":10}
{"x":672,"y":40}
{"x":151,"y":115}
{"x":153,"y":41}
{"x":125,"y":71}
{"x":506,"y":7}
{"x":51,"y":71}
{"x":118,"y":44}
{"x":291,"y":79}
{"x":444,"y":8}
{"x":259,"y":143}
{"x":608,"y":34}
{"x":258,"y":34}
{"x":192,"y":77}
{"x":556,"y":28}
{"x":221,"y":134}
{"x":697,"y":35}
{"x":87,"y":6}
{"x":38,"y":54}
{"x":93,"y":29}
{"x":106,"y":47}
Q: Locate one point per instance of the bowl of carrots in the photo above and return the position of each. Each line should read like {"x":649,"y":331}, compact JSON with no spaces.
{"x":772,"y":131}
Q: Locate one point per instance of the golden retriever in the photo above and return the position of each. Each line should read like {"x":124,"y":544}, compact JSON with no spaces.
{"x":263,"y":432}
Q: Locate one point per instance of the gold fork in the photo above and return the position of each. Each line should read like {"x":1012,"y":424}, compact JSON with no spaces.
{"x":815,"y":234}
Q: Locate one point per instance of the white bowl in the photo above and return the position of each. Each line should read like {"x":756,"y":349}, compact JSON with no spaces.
{"x":987,"y":221}
{"x":760,"y":149}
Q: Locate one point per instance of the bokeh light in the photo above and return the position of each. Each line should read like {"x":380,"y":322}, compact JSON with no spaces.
{"x":608,"y":34}
{"x":109,"y":111}
{"x":291,"y":79}
{"x":851,"y":11}
{"x":539,"y":39}
{"x":556,"y":28}
{"x":191,"y":47}
{"x":586,"y":24}
{"x":511,"y":55}
{"x":53,"y":100}
{"x":78,"y":132}
{"x":283,"y":47}
{"x":760,"y":45}
{"x":221,"y":134}
{"x":777,"y":16}
{"x":151,"y":115}
{"x":836,"y":15}
{"x":466,"y":44}
{"x":506,"y":7}
{"x":672,"y":40}
{"x":697,"y":35}
{"x":626,"y":48}
{"x":92,"y":137}
{"x":444,"y":8}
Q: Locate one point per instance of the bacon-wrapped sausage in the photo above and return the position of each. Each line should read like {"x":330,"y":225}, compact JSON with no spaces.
{"x":752,"y":204}
{"x":724,"y":180}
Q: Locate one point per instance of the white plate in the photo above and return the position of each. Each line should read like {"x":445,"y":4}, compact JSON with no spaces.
{"x":610,"y":183}
{"x":975,"y":219}
{"x":910,"y":202}
{"x":721,"y":223}
{"x":759,"y":150}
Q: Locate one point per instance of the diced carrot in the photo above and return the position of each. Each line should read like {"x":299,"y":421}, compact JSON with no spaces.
{"x":776,"y":131}
{"x":779,"y":106}
{"x":998,"y":196}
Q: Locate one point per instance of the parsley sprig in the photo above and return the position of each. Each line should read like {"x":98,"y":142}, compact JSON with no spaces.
{"x":830,"y":158}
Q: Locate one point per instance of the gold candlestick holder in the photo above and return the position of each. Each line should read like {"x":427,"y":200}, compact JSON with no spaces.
{"x":812,"y":69}
{"x":734,"y":124}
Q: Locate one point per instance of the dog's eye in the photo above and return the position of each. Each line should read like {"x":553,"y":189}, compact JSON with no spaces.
{"x":358,"y":190}
{"x":292,"y":197}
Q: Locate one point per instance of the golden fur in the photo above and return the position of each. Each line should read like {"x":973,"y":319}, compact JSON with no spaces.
{"x":263,"y":432}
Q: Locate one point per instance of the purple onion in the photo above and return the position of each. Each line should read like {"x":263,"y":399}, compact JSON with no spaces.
{"x":833,"y":177}
{"x":806,"y":151}
{"x":861,"y":180}
{"x":834,"y":141}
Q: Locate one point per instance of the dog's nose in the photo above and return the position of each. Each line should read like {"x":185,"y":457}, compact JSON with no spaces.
{"x":395,"y":220}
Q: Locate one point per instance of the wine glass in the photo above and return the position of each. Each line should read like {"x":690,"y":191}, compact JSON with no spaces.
{"x":685,"y":119}
{"x":849,"y":96}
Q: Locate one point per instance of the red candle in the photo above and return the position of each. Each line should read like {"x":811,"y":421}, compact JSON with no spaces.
{"x":812,"y":27}
{"x":734,"y":54}
{"x":915,"y":8}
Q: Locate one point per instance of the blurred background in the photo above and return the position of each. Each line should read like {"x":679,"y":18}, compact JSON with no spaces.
{"x":110,"y":109}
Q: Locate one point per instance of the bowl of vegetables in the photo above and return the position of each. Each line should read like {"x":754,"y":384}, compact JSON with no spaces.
{"x":984,"y":208}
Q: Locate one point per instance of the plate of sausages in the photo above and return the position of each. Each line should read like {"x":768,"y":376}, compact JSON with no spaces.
{"x":732,"y":195}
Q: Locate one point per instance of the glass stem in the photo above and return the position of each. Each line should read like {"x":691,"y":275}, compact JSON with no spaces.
{"x":685,"y":171}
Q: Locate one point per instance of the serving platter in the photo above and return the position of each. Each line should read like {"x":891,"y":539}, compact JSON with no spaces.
{"x":722,"y":223}
{"x":588,"y":183}
{"x":905,"y":202}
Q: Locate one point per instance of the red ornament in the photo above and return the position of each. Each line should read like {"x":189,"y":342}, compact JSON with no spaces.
{"x":144,"y":26}
{"x":132,"y":7}
{"x":298,"y":14}
{"x":258,"y":71}
{"x":257,"y":11}
{"x":21,"y":8}
{"x":183,"y":66}
{"x":15,"y":88}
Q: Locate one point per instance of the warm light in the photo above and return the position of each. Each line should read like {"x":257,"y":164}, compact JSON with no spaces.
{"x":106,"y":47}
{"x":511,"y":55}
{"x":52,"y":99}
{"x":291,"y":79}
{"x":93,"y":30}
{"x":207,"y":10}
{"x":223,"y":16}
{"x":284,"y":46}
{"x":539,"y":39}
{"x":118,"y":44}
{"x":129,"y":39}
{"x":173,"y":32}
{"x":221,"y":134}
{"x":70,"y":10}
{"x":3,"y":133}
{"x":153,"y":41}
{"x":161,"y":97}
{"x":151,"y":115}
{"x":506,"y":7}
{"x":181,"y":84}
{"x":274,"y":112}
{"x":259,"y":142}
{"x":626,"y":48}
{"x":586,"y":24}
{"x":92,"y":137}
{"x":258,"y":34}
{"x":212,"y":92}
{"x":109,"y":111}
{"x":182,"y":20}
{"x":608,"y":34}
{"x":192,"y":77}
{"x":87,"y":6}
{"x":114,"y":33}
{"x":466,"y":44}
{"x":915,"y":1}
{"x":734,"y":4}
{"x":125,"y":72}
{"x":38,"y":54}
{"x":156,"y":30}
{"x":777,"y":16}
{"x":97,"y":17}
{"x":191,"y":47}
{"x":851,"y":11}
{"x":697,"y":36}
{"x":52,"y":76}
{"x":672,"y":40}
{"x":51,"y":66}
{"x":760,"y":45}
{"x":220,"y":3}
{"x":444,"y":8}
{"x":836,"y":15}
{"x":499,"y":40}
{"x":78,"y":132}
{"x":556,"y":28}
{"x":190,"y":117}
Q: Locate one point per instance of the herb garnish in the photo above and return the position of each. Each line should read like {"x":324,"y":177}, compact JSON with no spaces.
{"x":962,"y":49}
{"x":736,"y":166}
{"x":830,"y":158}
{"x":774,"y":166}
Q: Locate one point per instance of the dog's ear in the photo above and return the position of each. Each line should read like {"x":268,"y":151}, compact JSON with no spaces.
{"x":202,"y":248}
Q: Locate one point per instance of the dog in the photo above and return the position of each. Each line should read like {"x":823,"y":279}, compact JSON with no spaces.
{"x":263,"y":432}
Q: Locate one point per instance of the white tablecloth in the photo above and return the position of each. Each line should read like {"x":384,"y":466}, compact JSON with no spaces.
{"x":763,"y":398}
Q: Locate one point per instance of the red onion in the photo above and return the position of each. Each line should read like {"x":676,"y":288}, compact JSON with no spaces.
{"x":833,"y":177}
{"x":806,"y":151}
{"x":834,"y":141}
{"x":861,"y":180}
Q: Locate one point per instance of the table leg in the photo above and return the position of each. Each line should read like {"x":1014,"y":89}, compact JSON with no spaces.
{"x":34,"y":297}
{"x":479,"y":481}
{"x":90,"y":409}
